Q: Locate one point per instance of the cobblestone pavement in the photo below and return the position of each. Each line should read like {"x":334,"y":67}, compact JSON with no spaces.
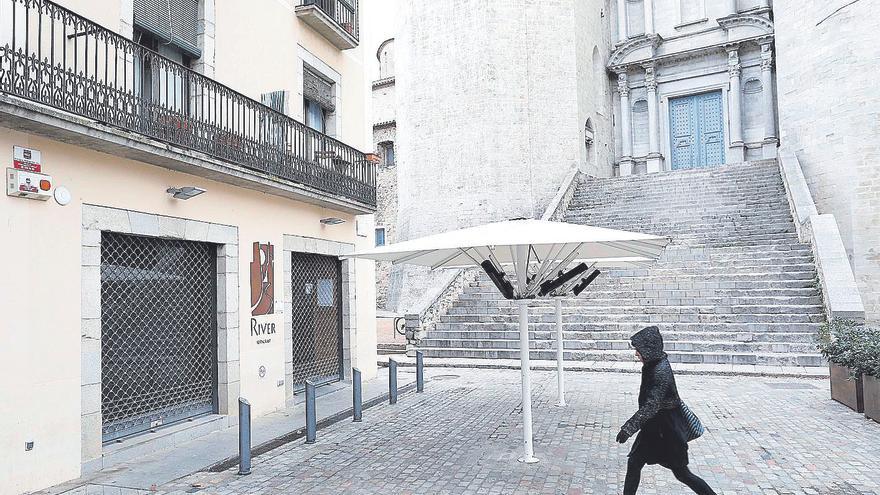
{"x":463,"y":435}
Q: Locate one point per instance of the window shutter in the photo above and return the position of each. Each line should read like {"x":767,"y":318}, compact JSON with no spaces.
{"x":319,"y":90}
{"x":174,"y":21}
{"x":276,"y":100}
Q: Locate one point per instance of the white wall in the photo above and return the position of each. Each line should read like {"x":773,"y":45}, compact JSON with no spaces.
{"x":40,"y":348}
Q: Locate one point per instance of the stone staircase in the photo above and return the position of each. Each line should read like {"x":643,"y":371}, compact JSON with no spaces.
{"x":734,"y":287}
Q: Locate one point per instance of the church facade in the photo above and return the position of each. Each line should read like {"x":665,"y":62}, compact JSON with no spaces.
{"x":694,"y":84}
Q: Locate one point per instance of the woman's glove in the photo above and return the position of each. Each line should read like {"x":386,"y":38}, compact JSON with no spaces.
{"x":622,"y":437}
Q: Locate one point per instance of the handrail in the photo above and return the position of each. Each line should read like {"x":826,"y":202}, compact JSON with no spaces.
{"x":840,"y":291}
{"x":61,"y":59}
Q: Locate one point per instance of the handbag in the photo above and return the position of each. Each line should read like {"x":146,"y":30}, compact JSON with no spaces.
{"x":695,"y":427}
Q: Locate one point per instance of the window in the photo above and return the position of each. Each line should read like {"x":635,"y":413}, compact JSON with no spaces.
{"x":380,"y":236}
{"x":319,"y":100}
{"x":161,"y":83}
{"x":315,"y":117}
{"x":387,"y":153}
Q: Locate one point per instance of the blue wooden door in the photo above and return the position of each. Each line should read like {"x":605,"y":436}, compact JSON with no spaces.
{"x":696,"y":127}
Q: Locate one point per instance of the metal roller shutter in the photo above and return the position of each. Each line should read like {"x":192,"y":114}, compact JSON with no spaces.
{"x":175,"y":21}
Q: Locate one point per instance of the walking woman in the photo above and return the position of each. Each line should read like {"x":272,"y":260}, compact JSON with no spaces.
{"x":664,"y":430}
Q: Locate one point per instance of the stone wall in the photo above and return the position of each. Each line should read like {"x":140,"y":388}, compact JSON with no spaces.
{"x":386,"y":216}
{"x":490,"y":117}
{"x":594,"y":90}
{"x":829,"y":114}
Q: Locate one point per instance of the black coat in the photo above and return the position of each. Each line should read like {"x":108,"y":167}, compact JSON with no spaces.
{"x":661,"y":425}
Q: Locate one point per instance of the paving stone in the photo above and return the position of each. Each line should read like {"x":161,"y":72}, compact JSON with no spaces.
{"x":781,"y":436}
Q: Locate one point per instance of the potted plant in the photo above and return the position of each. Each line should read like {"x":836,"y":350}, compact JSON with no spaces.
{"x":869,"y":362}
{"x":838,"y":342}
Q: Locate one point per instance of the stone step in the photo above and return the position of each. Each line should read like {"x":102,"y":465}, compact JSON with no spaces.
{"x":387,"y":349}
{"x":623,"y":345}
{"x":735,"y":285}
{"x":641,"y":318}
{"x":646,"y":309}
{"x":768,"y":358}
{"x":586,"y":300}
{"x":490,"y":296}
{"x":570,"y":333}
{"x":633,"y":327}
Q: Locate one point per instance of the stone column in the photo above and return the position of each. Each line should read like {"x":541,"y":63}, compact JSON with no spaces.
{"x":764,"y":3}
{"x":626,"y":160}
{"x":654,"y":156}
{"x":770,"y":138}
{"x":621,"y":20}
{"x":649,"y":16}
{"x":734,"y":107}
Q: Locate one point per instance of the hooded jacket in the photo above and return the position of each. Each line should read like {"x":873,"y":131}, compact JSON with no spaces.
{"x":658,"y":390}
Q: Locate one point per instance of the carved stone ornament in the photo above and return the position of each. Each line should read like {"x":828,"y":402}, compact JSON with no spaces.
{"x":650,"y":78}
{"x":766,"y":57}
{"x":733,"y":65}
{"x":622,"y":84}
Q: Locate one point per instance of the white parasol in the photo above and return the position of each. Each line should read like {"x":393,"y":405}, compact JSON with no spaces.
{"x":529,"y":259}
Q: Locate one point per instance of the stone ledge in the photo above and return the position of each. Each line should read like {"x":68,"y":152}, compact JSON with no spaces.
{"x":840,"y":292}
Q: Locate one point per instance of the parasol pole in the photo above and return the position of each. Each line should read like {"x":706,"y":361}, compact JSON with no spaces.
{"x":560,"y":371}
{"x":521,"y":266}
{"x":529,"y":453}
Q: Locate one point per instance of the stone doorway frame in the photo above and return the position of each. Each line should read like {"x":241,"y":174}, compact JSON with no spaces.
{"x":97,"y":219}
{"x":324,"y":247}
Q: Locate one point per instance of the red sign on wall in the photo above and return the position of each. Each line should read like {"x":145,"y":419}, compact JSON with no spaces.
{"x":26,"y":159}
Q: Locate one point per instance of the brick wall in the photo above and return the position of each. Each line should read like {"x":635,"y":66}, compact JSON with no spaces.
{"x":829,"y":113}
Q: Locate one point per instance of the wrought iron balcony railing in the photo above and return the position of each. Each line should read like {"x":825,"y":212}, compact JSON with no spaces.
{"x":55,"y":57}
{"x":344,"y":12}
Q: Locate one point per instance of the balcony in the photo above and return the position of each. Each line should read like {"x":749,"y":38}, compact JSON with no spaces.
{"x":74,"y":71}
{"x":336,"y":20}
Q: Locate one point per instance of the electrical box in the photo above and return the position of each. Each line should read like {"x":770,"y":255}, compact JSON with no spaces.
{"x":25,"y":184}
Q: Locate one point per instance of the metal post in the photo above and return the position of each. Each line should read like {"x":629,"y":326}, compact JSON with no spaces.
{"x":244,"y":437}
{"x":357,"y":396}
{"x":560,"y":370}
{"x":311,"y":421}
{"x":392,"y":381}
{"x":529,"y":453}
{"x":420,"y":371}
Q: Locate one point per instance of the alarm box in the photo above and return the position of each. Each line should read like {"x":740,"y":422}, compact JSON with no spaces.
{"x":25,"y":184}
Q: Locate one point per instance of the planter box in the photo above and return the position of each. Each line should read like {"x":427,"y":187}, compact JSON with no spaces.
{"x":846,"y":390}
{"x":872,"y":397}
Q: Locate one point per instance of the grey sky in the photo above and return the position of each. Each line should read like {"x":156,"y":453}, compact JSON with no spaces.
{"x":378,"y":23}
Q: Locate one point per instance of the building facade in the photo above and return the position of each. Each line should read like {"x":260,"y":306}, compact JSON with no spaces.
{"x":695,"y":84}
{"x":384,"y":141}
{"x":175,"y":225}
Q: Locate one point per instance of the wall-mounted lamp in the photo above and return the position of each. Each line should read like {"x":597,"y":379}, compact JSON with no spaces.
{"x":184,"y":193}
{"x":332,"y":221}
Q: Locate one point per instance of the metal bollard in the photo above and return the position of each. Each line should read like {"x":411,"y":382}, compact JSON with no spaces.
{"x":357,"y":396}
{"x":311,"y":420}
{"x":392,"y":381}
{"x":420,"y":371}
{"x":244,"y":437}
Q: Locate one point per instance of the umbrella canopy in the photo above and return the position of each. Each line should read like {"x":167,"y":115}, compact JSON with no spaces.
{"x":548,"y":240}
{"x":537,"y":254}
